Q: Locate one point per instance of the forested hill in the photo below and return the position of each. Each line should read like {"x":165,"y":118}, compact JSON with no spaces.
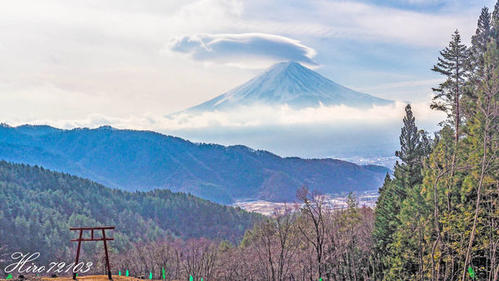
{"x":143,"y":160}
{"x":37,"y":207}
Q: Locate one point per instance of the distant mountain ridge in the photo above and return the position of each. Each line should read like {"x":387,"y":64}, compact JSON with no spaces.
{"x":292,"y":84}
{"x":144,"y":160}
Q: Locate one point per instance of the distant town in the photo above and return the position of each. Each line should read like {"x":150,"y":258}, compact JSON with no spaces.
{"x":364,"y":199}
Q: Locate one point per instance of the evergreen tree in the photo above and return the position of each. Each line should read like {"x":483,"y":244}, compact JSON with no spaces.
{"x":495,"y":23}
{"x":38,"y":207}
{"x":479,"y":43}
{"x":385,"y":224}
{"x":408,"y":172}
{"x":483,"y":35}
{"x":414,"y":146}
{"x":409,"y":248}
{"x":479,"y":189}
{"x":448,"y":222}
{"x":458,"y":176}
{"x":440,"y":191}
{"x":451,"y":64}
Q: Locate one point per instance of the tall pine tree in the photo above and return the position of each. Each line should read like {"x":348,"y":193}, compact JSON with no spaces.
{"x":451,"y":64}
{"x":408,"y":171}
{"x":414,"y":146}
{"x":479,"y":44}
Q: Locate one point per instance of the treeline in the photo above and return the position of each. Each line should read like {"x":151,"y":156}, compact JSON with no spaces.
{"x":436,"y":217}
{"x":304,"y":245}
{"x":37,"y":207}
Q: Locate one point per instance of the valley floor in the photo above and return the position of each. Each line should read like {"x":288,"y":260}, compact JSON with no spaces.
{"x":367,"y":199}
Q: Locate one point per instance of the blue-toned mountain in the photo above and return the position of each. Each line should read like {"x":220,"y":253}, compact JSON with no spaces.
{"x":143,"y":160}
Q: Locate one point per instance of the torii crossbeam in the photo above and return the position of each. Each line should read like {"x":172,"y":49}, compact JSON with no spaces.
{"x":93,"y":238}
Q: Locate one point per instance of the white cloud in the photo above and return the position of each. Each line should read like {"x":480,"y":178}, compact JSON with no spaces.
{"x":416,"y":91}
{"x":255,"y":116}
{"x":428,"y":83}
{"x":336,"y":131}
{"x":243,"y":49}
{"x":385,"y":24}
{"x":67,"y":61}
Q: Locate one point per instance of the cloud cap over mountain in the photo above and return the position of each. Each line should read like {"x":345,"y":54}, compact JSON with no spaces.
{"x":242,"y":49}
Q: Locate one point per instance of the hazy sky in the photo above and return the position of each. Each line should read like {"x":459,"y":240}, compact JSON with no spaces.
{"x":86,"y":63}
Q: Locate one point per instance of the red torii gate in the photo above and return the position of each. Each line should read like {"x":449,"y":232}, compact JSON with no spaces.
{"x":92,"y":238}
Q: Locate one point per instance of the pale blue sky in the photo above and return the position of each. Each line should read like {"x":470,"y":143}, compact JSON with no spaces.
{"x":126,"y":62}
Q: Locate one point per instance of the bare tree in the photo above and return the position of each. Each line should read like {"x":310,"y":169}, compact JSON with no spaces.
{"x":314,"y":213}
{"x":274,"y":242}
{"x":199,"y":258}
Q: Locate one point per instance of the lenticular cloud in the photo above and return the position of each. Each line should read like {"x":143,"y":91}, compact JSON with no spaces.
{"x":242,"y":48}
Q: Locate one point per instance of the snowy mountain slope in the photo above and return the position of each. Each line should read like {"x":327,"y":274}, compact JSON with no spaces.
{"x":292,"y":84}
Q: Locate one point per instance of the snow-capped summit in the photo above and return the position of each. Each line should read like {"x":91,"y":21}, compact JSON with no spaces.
{"x":289,"y":83}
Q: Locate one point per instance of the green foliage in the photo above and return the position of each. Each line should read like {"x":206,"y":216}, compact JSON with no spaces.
{"x":38,"y":207}
{"x":495,"y":23}
{"x":406,"y":250}
{"x":414,"y":147}
{"x":447,"y":221}
{"x":479,"y":43}
{"x":452,"y":64}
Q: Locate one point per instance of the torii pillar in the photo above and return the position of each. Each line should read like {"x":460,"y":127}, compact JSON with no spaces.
{"x":92,"y":238}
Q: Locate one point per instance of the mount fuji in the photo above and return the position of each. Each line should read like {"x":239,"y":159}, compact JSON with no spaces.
{"x":292,"y":84}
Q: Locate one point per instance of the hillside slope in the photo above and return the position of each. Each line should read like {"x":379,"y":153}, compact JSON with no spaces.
{"x":143,"y":160}
{"x":37,"y":207}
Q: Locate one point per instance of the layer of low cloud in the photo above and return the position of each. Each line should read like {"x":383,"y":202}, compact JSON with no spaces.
{"x":261,"y":115}
{"x":105,"y":57}
{"x":339,"y":116}
{"x":72,"y":64}
{"x":244,"y":49}
{"x":333,"y":131}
